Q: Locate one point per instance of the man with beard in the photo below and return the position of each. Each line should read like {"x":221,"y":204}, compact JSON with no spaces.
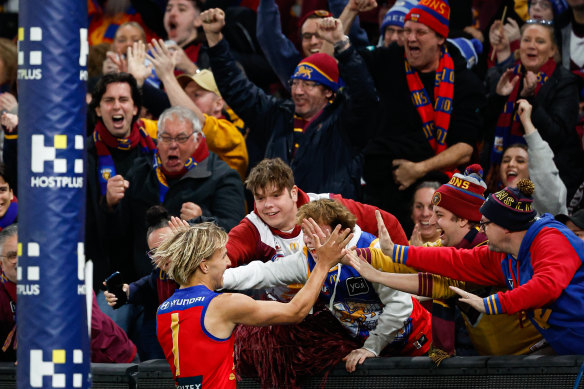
{"x":321,"y":131}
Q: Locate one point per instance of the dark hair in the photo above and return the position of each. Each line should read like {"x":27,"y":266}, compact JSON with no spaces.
{"x":113,"y":78}
{"x":156,"y":217}
{"x":6,"y":175}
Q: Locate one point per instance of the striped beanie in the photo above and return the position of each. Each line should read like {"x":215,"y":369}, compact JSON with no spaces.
{"x":463,"y":194}
{"x":320,"y":68}
{"x":432,"y":13}
{"x":511,"y":208}
{"x":395,"y":15}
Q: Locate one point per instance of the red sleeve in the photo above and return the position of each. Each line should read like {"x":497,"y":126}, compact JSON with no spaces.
{"x":478,"y":265}
{"x":245,"y":245}
{"x":109,"y":343}
{"x":366,"y":219}
{"x":554,"y":263}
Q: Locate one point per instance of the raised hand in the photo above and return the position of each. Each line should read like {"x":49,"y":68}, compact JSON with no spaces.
{"x":115,"y":190}
{"x":10,"y":121}
{"x":8,"y":102}
{"x":506,"y":83}
{"x":136,"y":57}
{"x":385,"y":241}
{"x":333,"y":250}
{"x":331,"y":30}
{"x":176,"y":224}
{"x":213,"y":20}
{"x":524,"y":110}
{"x":529,"y":84}
{"x":162,"y":58}
{"x":190,"y":210}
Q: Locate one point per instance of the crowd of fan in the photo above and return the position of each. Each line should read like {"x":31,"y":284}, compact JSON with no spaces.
{"x":340,"y":112}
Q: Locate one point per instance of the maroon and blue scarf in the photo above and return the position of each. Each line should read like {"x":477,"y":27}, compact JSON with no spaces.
{"x":435,"y":119}
{"x":104,"y":139}
{"x":10,"y":215}
{"x":508,"y":129}
{"x":201,"y":153}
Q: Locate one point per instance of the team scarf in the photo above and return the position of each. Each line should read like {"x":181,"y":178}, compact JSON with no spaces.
{"x":10,"y":215}
{"x":201,"y":153}
{"x":104,"y":139}
{"x":300,"y":126}
{"x":508,"y":129}
{"x":435,"y":120}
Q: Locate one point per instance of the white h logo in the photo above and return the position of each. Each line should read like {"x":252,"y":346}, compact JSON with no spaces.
{"x":39,"y":369}
{"x":41,"y":154}
{"x":35,"y":57}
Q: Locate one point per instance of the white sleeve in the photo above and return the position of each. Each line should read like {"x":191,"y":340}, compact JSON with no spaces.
{"x":397,"y":309}
{"x":291,"y":269}
{"x":550,"y":192}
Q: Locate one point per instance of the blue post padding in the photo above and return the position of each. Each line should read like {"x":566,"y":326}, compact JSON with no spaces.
{"x":53,"y":341}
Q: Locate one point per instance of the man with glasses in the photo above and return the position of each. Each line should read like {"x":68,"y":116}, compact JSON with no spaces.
{"x":185,"y":177}
{"x":539,"y":261}
{"x":321,"y":130}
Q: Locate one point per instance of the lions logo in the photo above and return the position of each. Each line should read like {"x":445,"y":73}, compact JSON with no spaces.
{"x":303,"y":71}
{"x":436,"y":198}
{"x":106,"y":174}
{"x":414,"y":17}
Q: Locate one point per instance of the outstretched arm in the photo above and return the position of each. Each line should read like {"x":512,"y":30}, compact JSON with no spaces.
{"x":241,"y":309}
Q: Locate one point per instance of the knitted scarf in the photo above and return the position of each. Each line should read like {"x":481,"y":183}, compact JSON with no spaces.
{"x":435,"y":119}
{"x":162,"y":175}
{"x":300,"y":126}
{"x":444,"y":331}
{"x":508,"y":129}
{"x":104,"y":140}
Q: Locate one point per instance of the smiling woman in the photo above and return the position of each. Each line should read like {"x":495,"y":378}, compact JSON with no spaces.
{"x":552,"y":91}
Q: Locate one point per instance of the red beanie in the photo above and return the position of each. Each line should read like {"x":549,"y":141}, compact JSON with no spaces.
{"x":319,"y":67}
{"x":432,"y":13}
{"x":315,"y":14}
{"x":463,"y":195}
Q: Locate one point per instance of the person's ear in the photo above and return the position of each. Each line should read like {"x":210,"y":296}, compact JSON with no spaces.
{"x":294,"y":193}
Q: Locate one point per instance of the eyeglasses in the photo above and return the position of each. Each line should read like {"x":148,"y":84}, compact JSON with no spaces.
{"x":309,"y":35}
{"x":483,"y":225}
{"x":179,"y":139}
{"x":306,"y":85}
{"x":541,"y":22}
{"x":151,"y":254}
{"x":11,"y":256}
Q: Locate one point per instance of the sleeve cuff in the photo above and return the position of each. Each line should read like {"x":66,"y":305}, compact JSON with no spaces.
{"x":493,"y":305}
{"x":400,"y":254}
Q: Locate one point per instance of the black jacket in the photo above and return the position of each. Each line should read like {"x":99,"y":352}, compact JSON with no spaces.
{"x":328,"y":157}
{"x":555,"y":114}
{"x":399,"y":133}
{"x":110,"y":251}
{"x":211,"y":184}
